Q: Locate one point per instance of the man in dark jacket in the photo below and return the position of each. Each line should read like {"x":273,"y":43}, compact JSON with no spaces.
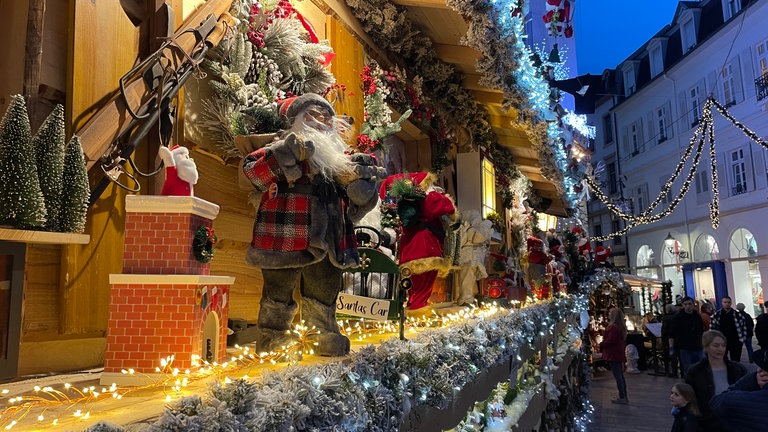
{"x":742,"y":406}
{"x":733,"y":325}
{"x":685,"y":336}
{"x":761,"y":327}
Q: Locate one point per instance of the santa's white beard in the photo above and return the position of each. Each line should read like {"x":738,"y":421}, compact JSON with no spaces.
{"x":329,"y":159}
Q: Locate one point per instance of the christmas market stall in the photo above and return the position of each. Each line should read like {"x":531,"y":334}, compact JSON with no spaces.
{"x":184,"y":190}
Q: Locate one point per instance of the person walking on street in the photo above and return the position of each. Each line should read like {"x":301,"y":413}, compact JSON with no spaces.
{"x":733,"y":325}
{"x":750,"y":329}
{"x":707,"y":310}
{"x":742,"y":407}
{"x":685,"y":336}
{"x":712,"y":376}
{"x":671,"y":361}
{"x":612,"y":348}
{"x":685,"y":410}
{"x":761,"y":328}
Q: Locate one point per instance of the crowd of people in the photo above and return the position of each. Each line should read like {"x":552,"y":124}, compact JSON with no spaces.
{"x":703,"y":347}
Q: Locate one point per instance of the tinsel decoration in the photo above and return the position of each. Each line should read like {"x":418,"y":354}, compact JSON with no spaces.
{"x":203,"y":244}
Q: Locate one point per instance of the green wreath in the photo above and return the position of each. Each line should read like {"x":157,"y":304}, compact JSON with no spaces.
{"x":202,"y":244}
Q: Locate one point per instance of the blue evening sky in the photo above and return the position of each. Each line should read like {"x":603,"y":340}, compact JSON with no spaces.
{"x":607,"y":32}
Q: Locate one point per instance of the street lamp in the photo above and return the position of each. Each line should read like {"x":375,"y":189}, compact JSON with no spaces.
{"x":673,"y":248}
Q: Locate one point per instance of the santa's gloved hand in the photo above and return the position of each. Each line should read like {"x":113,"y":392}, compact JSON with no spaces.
{"x":366,"y":168}
{"x":302,"y":149}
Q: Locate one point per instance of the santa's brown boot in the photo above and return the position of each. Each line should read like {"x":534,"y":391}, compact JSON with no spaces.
{"x":329,"y":342}
{"x":274,"y":326}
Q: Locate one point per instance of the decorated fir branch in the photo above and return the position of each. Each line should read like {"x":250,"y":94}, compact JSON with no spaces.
{"x":22,"y":204}
{"x":271,"y":56}
{"x":378,"y":123}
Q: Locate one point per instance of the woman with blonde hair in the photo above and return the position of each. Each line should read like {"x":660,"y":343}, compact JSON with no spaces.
{"x":612,"y":348}
{"x":712,"y":376}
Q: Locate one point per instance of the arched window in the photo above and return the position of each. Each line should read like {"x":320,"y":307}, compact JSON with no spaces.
{"x":706,"y":249}
{"x":743,"y":244}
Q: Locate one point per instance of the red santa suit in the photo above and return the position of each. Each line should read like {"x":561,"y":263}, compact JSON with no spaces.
{"x":421,"y":244}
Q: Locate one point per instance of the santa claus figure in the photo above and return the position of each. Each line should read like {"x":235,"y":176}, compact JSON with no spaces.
{"x":601,"y":256}
{"x":311,"y":192}
{"x":582,"y":243}
{"x":420,"y":211}
{"x":180,"y":171}
{"x":537,"y":260}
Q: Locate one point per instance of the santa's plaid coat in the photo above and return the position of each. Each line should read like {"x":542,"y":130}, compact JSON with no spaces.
{"x":298,"y":221}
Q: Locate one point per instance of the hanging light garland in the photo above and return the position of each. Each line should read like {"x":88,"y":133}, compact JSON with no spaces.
{"x":705,"y":131}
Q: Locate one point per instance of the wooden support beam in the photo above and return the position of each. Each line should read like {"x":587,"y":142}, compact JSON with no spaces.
{"x":439,"y":4}
{"x":487,"y":97}
{"x":341,"y":12}
{"x":33,"y":59}
{"x":456,"y":54}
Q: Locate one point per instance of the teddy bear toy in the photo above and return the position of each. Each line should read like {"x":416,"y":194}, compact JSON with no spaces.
{"x":180,"y":171}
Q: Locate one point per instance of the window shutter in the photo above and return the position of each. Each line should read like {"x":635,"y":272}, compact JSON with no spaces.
{"x":668,"y":114}
{"x":703,"y":92}
{"x":714,"y":81}
{"x":722,"y":176}
{"x":652,"y":138}
{"x":641,"y":136}
{"x":758,"y":165}
{"x":748,"y":73}
{"x":683,"y":121}
{"x":749,"y":167}
{"x":625,"y":140}
{"x":738,"y":83}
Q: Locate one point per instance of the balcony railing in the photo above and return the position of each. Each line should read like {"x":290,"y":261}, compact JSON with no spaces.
{"x":761,"y":85}
{"x":738,"y":190}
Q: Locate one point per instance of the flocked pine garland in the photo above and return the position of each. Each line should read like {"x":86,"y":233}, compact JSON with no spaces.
{"x":390,"y":29}
{"x":505,"y":64}
{"x":380,"y":385}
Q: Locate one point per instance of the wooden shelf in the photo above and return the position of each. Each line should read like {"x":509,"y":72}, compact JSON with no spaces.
{"x":42,"y":237}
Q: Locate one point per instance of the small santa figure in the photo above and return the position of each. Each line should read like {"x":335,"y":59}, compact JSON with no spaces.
{"x":180,"y":171}
{"x":582,"y":243}
{"x":601,"y":256}
{"x":423,"y":234}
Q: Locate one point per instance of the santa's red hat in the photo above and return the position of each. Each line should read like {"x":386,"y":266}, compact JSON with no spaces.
{"x":293,"y":106}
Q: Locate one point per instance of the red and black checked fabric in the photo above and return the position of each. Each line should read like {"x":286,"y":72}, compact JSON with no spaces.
{"x":283,"y":223}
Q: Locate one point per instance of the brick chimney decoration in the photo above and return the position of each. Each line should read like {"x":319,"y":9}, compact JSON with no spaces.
{"x":166,"y":303}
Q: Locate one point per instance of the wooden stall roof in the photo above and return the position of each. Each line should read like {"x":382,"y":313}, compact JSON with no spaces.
{"x":446,"y":28}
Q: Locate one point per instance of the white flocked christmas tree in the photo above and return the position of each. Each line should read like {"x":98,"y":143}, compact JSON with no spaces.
{"x":21,"y":199}
{"x":74,"y":198}
{"x":48,"y":143}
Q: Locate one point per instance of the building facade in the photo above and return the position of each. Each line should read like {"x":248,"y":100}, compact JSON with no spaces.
{"x":654,"y":106}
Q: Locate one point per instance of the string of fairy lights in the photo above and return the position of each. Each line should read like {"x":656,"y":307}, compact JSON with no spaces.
{"x":705,"y":132}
